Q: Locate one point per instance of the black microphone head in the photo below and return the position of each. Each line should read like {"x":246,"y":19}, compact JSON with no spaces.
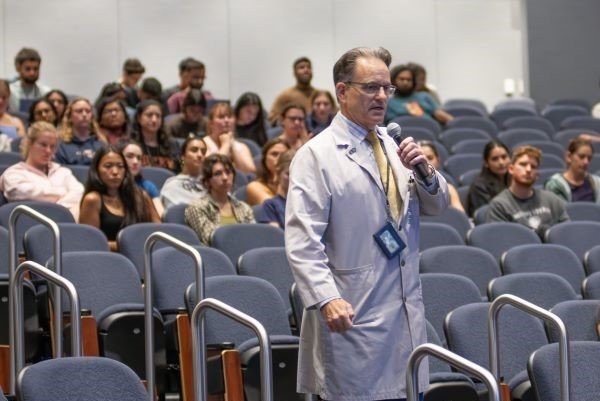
{"x":395,"y":131}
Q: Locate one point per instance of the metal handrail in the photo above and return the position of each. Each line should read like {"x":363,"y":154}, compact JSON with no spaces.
{"x":13,"y":261}
{"x":199,"y":346}
{"x":532,"y":309}
{"x":416,"y":357}
{"x":16,"y":292}
{"x":148,"y":304}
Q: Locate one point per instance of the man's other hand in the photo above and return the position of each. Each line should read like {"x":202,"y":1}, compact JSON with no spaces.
{"x":338,"y":314}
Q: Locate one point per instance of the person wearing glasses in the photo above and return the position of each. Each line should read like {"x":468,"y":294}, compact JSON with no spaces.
{"x":352,"y":241}
{"x":408,"y":102}
{"x":293,"y":122}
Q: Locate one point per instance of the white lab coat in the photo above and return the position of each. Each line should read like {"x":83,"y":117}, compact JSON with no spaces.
{"x":335,"y":204}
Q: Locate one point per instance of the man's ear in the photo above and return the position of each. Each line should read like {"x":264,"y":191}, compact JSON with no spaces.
{"x":510,"y":169}
{"x":340,"y":91}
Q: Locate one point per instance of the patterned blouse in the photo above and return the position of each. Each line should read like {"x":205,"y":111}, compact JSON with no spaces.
{"x":204,"y":218}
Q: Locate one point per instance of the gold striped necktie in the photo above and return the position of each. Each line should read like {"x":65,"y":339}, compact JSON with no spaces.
{"x":388,"y":179}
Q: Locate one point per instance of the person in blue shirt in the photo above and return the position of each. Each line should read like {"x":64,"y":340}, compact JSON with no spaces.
{"x":407,"y":102}
{"x":273,"y":209}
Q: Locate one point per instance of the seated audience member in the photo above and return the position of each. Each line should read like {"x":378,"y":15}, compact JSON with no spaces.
{"x":27,"y":88}
{"x":521,"y":202}
{"x":113,"y":120}
{"x":323,"y":110}
{"x":42,"y":110}
{"x":220,"y":139}
{"x":191,"y":119}
{"x":111,"y":89}
{"x":293,"y":121}
{"x":217,"y":208}
{"x":493,"y":177}
{"x":158,"y":148}
{"x":421,"y":82}
{"x":273,"y":209}
{"x":10,"y":125}
{"x":433,"y":158}
{"x":192,"y":77}
{"x":575,"y":184}
{"x":133,"y":69}
{"x":132,"y":152}
{"x":250,"y":120}
{"x":299,"y":93}
{"x":80,"y":135}
{"x":59,"y":101}
{"x":111,"y":199}
{"x":186,"y":187}
{"x":38,"y":177}
{"x":151,"y":89}
{"x":265,"y":184}
{"x":406,"y":101}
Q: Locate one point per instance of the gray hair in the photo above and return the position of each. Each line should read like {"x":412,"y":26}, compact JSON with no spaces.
{"x":343,"y":70}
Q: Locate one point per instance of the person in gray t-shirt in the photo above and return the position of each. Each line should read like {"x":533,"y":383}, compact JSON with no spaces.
{"x":521,"y":203}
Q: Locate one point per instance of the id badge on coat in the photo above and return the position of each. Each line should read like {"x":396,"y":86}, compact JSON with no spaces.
{"x":389,"y":241}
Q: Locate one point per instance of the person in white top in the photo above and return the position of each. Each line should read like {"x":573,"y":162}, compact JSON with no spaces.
{"x":220,"y":139}
{"x":186,"y":187}
{"x":38,"y":177}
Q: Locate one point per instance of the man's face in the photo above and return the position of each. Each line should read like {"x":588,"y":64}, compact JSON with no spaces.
{"x":404,"y":83}
{"x":303,"y":72}
{"x":197,"y":77}
{"x":130,"y":80}
{"x":524,"y":171}
{"x":29,"y":71}
{"x":366,"y":110}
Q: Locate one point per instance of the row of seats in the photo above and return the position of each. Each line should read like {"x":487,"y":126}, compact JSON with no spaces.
{"x":459,"y":320}
{"x":453,"y":228}
{"x":170,"y":273}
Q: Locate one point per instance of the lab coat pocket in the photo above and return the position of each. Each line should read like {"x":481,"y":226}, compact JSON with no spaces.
{"x":354,"y":284}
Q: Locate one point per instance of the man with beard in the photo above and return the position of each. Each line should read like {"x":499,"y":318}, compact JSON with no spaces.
{"x":407,"y":102}
{"x":192,"y":74}
{"x":521,"y":202}
{"x":299,"y":94}
{"x":26,"y":89}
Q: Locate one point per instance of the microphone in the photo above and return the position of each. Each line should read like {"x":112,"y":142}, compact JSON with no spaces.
{"x":421,"y":169}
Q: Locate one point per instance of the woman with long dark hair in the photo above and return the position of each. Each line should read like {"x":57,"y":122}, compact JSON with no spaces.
{"x":250,"y":119}
{"x":111,"y":198}
{"x":493,"y":177}
{"x":148,"y":130}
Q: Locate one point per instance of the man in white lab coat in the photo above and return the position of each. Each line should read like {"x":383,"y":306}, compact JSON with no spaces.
{"x":352,"y":238}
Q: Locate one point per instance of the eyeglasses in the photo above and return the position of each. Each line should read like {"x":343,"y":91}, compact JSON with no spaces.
{"x":372,"y":88}
{"x":295,"y":119}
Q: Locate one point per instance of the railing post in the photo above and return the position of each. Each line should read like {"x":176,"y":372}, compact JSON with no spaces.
{"x":199,"y":346}
{"x":532,"y":309}
{"x":13,"y":261}
{"x":148,"y":304}
{"x":416,"y":357}
{"x":16,"y":295}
